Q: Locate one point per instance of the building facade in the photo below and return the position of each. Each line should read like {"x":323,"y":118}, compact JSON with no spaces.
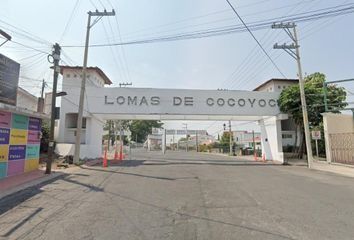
{"x":66,"y":126}
{"x":26,"y":100}
{"x":288,"y":126}
{"x":245,"y":139}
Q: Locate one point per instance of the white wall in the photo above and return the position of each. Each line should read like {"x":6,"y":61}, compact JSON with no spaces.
{"x":91,"y":137}
{"x":271,"y":139}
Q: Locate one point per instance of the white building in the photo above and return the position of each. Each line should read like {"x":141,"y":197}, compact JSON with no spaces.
{"x":26,"y":100}
{"x":276,"y":85}
{"x":245,"y":139}
{"x":202,"y":140}
{"x":287,"y":126}
{"x":65,"y":133}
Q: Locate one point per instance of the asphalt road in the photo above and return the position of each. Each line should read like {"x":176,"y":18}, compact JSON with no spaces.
{"x":184,"y":196}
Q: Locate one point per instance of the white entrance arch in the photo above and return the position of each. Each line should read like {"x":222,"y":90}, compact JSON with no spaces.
{"x":105,"y":103}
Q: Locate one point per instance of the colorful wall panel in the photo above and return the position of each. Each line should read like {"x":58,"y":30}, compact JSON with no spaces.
{"x":19,"y":143}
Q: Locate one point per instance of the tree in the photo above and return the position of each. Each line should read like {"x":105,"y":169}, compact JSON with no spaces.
{"x":140,"y":129}
{"x":45,"y":136}
{"x":225,"y":141}
{"x":289,"y":102}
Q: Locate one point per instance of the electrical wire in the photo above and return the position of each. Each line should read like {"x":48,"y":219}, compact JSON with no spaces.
{"x":67,"y":25}
{"x":258,"y":25}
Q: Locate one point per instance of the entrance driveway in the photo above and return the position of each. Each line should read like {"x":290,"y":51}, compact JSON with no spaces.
{"x":184,"y":196}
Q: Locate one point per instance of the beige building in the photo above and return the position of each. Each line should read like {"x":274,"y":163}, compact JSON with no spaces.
{"x":26,"y":100}
{"x":275,"y":85}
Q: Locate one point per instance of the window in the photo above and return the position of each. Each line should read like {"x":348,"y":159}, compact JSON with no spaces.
{"x":67,"y":75}
{"x":287,"y":136}
{"x":279,"y":87}
{"x":75,"y":75}
{"x":71,"y":121}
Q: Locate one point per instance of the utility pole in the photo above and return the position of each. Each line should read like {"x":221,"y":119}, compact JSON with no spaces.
{"x":40,"y":103}
{"x":196,"y":140}
{"x":164,"y":142}
{"x":254,"y":146}
{"x":186,"y":127}
{"x":173,"y":141}
{"x":56,"y":57}
{"x":42,"y":90}
{"x":289,"y":48}
{"x":99,"y":15}
{"x":230,"y":138}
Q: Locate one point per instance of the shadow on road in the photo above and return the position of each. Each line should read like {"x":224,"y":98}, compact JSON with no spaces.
{"x":126,"y":173}
{"x":13,"y":200}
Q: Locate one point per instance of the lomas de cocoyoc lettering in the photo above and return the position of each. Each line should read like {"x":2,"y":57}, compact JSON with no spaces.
{"x":189,"y":101}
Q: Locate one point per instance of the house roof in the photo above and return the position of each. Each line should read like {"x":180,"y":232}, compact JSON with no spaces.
{"x":96,"y":69}
{"x":275,"y":80}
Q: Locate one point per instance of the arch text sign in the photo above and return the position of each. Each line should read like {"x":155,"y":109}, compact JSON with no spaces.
{"x":181,"y":102}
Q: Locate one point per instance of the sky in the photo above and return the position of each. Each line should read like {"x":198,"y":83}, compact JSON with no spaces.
{"x":231,"y":61}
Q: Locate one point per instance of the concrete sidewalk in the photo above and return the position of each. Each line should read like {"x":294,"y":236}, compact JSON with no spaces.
{"x":11,"y":185}
{"x":17,"y":183}
{"x":347,"y":171}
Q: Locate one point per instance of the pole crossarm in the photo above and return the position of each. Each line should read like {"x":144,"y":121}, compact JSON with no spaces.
{"x":99,"y":15}
{"x":104,"y":13}
{"x":283,"y":25}
{"x":288,"y":48}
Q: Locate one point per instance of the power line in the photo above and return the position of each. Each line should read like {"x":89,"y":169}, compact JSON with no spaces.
{"x":209,"y":22}
{"x":254,"y":37}
{"x":69,"y":20}
{"x":25,"y":33}
{"x":258,"y":25}
{"x":245,"y":73}
{"x":26,"y":46}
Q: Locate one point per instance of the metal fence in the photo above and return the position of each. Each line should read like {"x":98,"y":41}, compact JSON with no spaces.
{"x":342,"y":148}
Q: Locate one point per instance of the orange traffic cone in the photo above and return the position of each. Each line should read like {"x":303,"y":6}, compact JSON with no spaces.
{"x":115,"y":154}
{"x":105,"y":158}
{"x":121,"y":152}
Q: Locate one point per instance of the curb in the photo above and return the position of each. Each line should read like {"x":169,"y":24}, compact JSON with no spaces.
{"x":30,"y":184}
